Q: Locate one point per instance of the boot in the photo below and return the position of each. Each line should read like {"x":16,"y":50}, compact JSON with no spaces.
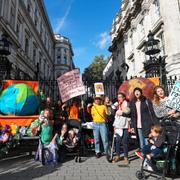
{"x":126,"y":161}
{"x":116,"y":159}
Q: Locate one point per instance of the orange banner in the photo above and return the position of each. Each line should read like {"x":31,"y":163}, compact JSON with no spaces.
{"x":33,"y":84}
{"x":155,"y":80}
{"x":17,"y":120}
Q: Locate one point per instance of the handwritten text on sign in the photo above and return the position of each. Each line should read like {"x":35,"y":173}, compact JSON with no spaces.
{"x":174,"y":97}
{"x":70,"y":85}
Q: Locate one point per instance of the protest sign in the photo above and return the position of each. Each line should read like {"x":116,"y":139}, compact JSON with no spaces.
{"x":70,"y":85}
{"x":173,"y":100}
{"x":99,"y":88}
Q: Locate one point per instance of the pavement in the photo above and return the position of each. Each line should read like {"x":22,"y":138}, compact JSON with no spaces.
{"x":25,"y":168}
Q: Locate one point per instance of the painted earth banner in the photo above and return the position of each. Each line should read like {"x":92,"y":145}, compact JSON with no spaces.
{"x":99,"y":88}
{"x":173,"y":100}
{"x":70,"y":85}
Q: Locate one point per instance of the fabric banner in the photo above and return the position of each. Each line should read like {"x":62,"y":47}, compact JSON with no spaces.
{"x":155,"y":80}
{"x":70,"y":85}
{"x":99,"y":88}
{"x":173,"y":100}
{"x":33,"y":84}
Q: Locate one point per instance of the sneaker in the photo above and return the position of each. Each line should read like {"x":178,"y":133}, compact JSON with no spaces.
{"x":98,"y":155}
{"x":139,"y":154}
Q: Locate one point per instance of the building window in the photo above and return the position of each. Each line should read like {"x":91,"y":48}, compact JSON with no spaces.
{"x":162,"y":43}
{"x":65,"y":59}
{"x":12,"y":14}
{"x":142,"y":27}
{"x":59,"y":49}
{"x":41,"y":29}
{"x":29,"y":7}
{"x":26,"y":45}
{"x":157,"y":7}
{"x":34,"y":53}
{"x":36,"y":17}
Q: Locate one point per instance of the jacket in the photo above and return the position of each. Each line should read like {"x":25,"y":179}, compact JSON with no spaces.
{"x":148,"y":117}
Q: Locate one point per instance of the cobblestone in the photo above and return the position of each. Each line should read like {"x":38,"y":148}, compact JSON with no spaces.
{"x":97,"y":169}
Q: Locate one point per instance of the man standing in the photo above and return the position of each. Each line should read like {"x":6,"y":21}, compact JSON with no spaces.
{"x":99,"y":113}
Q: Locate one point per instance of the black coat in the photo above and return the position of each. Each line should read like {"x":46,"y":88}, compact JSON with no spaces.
{"x":148,"y":117}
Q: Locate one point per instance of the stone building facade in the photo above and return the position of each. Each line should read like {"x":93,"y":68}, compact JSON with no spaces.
{"x":26,"y":24}
{"x":63,"y":55}
{"x":131,"y":27}
{"x":34,"y":46}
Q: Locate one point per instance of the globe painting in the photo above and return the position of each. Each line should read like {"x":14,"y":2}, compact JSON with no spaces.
{"x":146,"y":85}
{"x":18,"y":99}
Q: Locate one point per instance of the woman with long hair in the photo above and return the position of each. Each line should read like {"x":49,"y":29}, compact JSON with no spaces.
{"x":159,"y":104}
{"x":142,"y":117}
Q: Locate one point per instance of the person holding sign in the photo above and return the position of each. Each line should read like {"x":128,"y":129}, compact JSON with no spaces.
{"x":159,"y":104}
{"x":99,"y":113}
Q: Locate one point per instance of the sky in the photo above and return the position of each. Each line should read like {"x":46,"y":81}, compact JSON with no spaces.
{"x":87,"y":23}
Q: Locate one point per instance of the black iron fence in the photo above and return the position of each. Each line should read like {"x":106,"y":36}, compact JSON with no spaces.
{"x":50,"y":87}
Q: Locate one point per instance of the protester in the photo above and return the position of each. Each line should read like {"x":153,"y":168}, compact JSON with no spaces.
{"x":46,"y":139}
{"x":142,"y":117}
{"x":121,"y":124}
{"x":99,"y":113}
{"x":159,"y":104}
{"x":74,"y":110}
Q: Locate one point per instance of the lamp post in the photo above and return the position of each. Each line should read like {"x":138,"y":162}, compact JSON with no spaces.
{"x":155,"y":66}
{"x":5,"y":65}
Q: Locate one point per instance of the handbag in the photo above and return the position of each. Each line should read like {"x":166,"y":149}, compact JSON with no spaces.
{"x":120,"y":121}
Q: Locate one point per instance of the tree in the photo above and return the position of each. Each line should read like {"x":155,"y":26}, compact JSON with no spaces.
{"x":94,"y":72}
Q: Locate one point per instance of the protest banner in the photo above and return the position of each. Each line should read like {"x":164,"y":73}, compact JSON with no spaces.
{"x":99,"y":88}
{"x":70,"y":85}
{"x":173,"y":100}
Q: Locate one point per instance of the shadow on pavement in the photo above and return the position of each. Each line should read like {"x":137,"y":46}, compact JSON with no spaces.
{"x":24,"y":167}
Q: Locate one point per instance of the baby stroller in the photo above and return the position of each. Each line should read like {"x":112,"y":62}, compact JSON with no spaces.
{"x":164,"y":165}
{"x":73,"y":149}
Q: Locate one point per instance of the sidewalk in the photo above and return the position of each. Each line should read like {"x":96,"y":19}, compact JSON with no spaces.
{"x":24,"y":168}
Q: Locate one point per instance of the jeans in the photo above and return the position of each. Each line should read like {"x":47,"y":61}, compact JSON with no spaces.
{"x":147,"y":150}
{"x":142,"y":140}
{"x":100,"y":129}
{"x":124,"y":141}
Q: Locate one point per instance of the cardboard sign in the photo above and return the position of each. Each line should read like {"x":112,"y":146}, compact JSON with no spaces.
{"x":70,"y":85}
{"x":173,"y":100}
{"x":99,"y":88}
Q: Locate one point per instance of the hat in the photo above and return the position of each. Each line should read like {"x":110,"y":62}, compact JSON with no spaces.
{"x":98,"y":97}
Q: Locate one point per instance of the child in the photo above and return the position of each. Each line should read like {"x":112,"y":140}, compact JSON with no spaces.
{"x":156,"y":140}
{"x":72,"y":138}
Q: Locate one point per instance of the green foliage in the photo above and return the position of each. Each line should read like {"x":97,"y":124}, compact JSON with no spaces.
{"x":94,"y":72}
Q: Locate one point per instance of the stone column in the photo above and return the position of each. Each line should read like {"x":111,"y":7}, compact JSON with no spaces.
{"x":171,"y":17}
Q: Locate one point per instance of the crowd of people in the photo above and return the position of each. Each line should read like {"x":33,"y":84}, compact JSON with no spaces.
{"x":139,"y":115}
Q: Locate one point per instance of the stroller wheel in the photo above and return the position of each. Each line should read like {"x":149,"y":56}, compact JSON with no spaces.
{"x":109,"y":158}
{"x":77,"y":159}
{"x":140,"y":175}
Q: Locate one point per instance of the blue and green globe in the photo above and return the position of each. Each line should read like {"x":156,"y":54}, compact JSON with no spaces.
{"x":19,"y":99}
